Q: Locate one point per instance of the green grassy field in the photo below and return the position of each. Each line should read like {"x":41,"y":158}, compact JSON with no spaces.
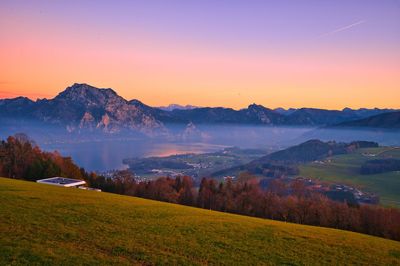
{"x":346,"y":168}
{"x":42,"y":224}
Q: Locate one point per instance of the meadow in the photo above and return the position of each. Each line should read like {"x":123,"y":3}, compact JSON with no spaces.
{"x":346,"y":169}
{"x":47,"y":225}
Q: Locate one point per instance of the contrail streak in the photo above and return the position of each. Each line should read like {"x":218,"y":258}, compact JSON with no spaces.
{"x":344,"y":28}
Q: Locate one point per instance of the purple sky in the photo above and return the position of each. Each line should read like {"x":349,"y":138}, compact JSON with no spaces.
{"x":348,"y":31}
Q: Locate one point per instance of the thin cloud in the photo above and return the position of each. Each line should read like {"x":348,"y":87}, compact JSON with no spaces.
{"x":344,"y":28}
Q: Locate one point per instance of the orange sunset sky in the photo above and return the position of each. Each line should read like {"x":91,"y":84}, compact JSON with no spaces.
{"x":203,"y":54}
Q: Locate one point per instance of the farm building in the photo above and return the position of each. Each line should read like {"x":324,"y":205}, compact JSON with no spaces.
{"x":62,"y":182}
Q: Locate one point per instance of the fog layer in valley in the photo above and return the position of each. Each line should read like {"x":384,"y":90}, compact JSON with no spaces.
{"x":101,"y":152}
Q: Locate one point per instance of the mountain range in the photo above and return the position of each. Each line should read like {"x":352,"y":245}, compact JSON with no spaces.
{"x":84,"y":107}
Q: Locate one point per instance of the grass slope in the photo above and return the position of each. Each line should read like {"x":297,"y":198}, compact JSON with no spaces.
{"x":42,"y":224}
{"x":346,"y":169}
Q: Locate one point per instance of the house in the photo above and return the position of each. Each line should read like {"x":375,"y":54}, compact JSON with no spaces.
{"x":62,"y":182}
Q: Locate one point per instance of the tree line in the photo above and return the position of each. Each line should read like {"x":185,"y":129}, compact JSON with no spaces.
{"x":378,"y":166}
{"x":20,"y":157}
{"x":291,"y":202}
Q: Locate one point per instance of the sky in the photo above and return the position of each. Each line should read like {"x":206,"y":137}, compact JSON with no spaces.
{"x":232,"y":53}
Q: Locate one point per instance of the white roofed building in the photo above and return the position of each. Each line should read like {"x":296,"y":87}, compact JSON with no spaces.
{"x":62,"y":182}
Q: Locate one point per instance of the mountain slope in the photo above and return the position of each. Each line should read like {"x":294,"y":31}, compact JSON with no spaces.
{"x":314,"y":117}
{"x":387,"y":120}
{"x":258,"y":114}
{"x":42,"y":224}
{"x":253,"y":114}
{"x":159,"y":114}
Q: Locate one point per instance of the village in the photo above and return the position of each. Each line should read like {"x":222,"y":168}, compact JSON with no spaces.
{"x":340,"y":192}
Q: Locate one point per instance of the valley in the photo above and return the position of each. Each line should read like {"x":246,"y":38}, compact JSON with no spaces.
{"x":338,"y":176}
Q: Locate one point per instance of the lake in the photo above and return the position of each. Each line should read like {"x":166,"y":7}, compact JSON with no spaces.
{"x":108,"y":154}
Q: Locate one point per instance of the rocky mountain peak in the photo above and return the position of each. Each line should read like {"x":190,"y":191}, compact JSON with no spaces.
{"x":257,"y":107}
{"x":84,"y":107}
{"x":84,"y":93}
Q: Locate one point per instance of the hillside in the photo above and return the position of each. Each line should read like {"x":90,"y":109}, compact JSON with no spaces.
{"x":42,"y":224}
{"x":386,"y":120}
{"x":346,"y":168}
{"x":285,"y":161}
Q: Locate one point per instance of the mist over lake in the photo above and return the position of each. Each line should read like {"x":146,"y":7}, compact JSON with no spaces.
{"x":101,"y":153}
{"x":106,"y":154}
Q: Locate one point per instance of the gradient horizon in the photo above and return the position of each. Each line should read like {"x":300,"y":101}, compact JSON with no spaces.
{"x":322,"y":54}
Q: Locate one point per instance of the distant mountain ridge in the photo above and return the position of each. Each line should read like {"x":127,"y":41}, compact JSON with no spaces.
{"x":386,"y":120}
{"x":172,"y":107}
{"x":84,"y":107}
